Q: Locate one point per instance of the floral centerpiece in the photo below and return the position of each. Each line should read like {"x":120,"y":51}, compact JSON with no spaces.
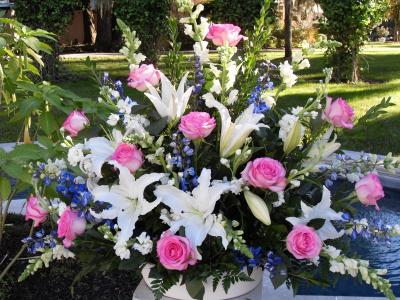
{"x":207,"y":176}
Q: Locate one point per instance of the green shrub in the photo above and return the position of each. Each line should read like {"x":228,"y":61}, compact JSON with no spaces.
{"x":148,"y":18}
{"x":50,"y":15}
{"x":242,"y":13}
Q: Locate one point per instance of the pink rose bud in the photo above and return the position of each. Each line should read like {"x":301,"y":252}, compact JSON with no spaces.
{"x":35,"y":212}
{"x":225,"y":34}
{"x":70,"y":225}
{"x":175,"y":252}
{"x":144,"y":74}
{"x":197,"y":125}
{"x":303,"y":242}
{"x":369,"y":190}
{"x":265,"y":173}
{"x":75,"y":122}
{"x":129,"y":156}
{"x":338,"y":113}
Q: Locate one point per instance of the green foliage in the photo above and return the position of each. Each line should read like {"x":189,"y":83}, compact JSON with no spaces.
{"x":132,"y":44}
{"x":161,"y":284}
{"x":242,"y":13}
{"x":50,"y":15}
{"x":375,"y":112}
{"x":147,"y":18}
{"x":174,"y":60}
{"x":349,"y":22}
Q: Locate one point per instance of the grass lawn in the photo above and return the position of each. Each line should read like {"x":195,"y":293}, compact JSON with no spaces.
{"x":381,"y":72}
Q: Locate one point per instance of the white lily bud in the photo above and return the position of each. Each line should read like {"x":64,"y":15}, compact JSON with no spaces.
{"x":258,"y":207}
{"x":294,"y":138}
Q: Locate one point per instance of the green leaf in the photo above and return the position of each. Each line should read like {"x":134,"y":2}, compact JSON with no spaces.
{"x":195,"y":288}
{"x":279,"y":276}
{"x":14,"y":170}
{"x":48,"y":123}
{"x":3,"y":42}
{"x":27,"y":152}
{"x":156,"y":127}
{"x":5,"y":188}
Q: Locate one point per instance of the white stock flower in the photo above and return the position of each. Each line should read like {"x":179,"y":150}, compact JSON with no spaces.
{"x":232,"y":72}
{"x":286,"y":72}
{"x":127,"y":201}
{"x":136,"y":124}
{"x":113,"y":119}
{"x":144,"y":244}
{"x":234,"y":135}
{"x":203,"y":27}
{"x":125,"y":106}
{"x":286,"y":124}
{"x":195,"y":210}
{"x":188,"y":30}
{"x":121,"y":250}
{"x":171,"y":103}
{"x":323,"y":211}
{"x":75,"y":155}
{"x":337,"y":267}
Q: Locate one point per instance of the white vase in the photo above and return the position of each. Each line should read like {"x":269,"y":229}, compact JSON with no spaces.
{"x":238,"y":289}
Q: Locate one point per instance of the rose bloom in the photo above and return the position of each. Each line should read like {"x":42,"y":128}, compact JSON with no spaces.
{"x":175,"y":252}
{"x":35,"y":212}
{"x":70,"y":225}
{"x":369,"y":190}
{"x":145,"y":73}
{"x":197,"y":125}
{"x":225,"y":34}
{"x":339,"y":113}
{"x":75,"y":122}
{"x":265,"y":173}
{"x":303,"y":242}
{"x":129,"y":156}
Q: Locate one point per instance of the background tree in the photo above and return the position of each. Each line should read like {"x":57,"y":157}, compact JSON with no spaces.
{"x":394,"y":13}
{"x":288,"y":29}
{"x":104,"y":24}
{"x":350,"y":23}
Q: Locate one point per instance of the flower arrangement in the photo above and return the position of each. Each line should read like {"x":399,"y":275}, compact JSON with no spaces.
{"x":200,"y":178}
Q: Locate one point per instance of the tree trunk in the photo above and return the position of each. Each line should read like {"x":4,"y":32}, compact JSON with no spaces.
{"x":355,"y":77}
{"x":288,"y":30}
{"x":89,"y":26}
{"x":104,"y":30}
{"x":396,"y":34}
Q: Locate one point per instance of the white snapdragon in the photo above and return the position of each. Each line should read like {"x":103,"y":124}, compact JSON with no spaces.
{"x":216,"y":87}
{"x":225,"y":162}
{"x":305,"y":64}
{"x":232,"y":72}
{"x":286,"y":72}
{"x":200,"y":49}
{"x":188,"y":30}
{"x":60,"y":252}
{"x":233,"y":96}
{"x":113,"y":119}
{"x":75,"y":155}
{"x":144,"y":244}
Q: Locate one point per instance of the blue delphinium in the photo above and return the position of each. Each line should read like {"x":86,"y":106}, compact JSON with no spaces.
{"x":40,"y":241}
{"x":264,"y":84}
{"x":256,"y":261}
{"x":198,"y":76}
{"x":182,"y":154}
{"x":273,"y":261}
{"x":75,"y":190}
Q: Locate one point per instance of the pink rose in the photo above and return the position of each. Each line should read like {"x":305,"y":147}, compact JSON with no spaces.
{"x":265,"y":173}
{"x":175,"y":252}
{"x":75,"y":122}
{"x":35,"y":212}
{"x":303,"y":242}
{"x":369,"y":190}
{"x":338,"y":113}
{"x":128,"y":156}
{"x":70,"y":225}
{"x":197,"y":125}
{"x":224,"y":34}
{"x":145,"y":73}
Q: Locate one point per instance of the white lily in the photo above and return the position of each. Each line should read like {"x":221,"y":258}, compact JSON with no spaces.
{"x":234,"y":135}
{"x":102,"y":149}
{"x":321,"y":150}
{"x":171,"y":103}
{"x":323,"y":211}
{"x":127,"y":201}
{"x":195,"y":211}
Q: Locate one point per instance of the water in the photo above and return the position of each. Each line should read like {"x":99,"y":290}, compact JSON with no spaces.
{"x":380,"y":255}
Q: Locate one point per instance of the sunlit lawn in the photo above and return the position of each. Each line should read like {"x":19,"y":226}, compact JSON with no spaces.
{"x":381,"y":72}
